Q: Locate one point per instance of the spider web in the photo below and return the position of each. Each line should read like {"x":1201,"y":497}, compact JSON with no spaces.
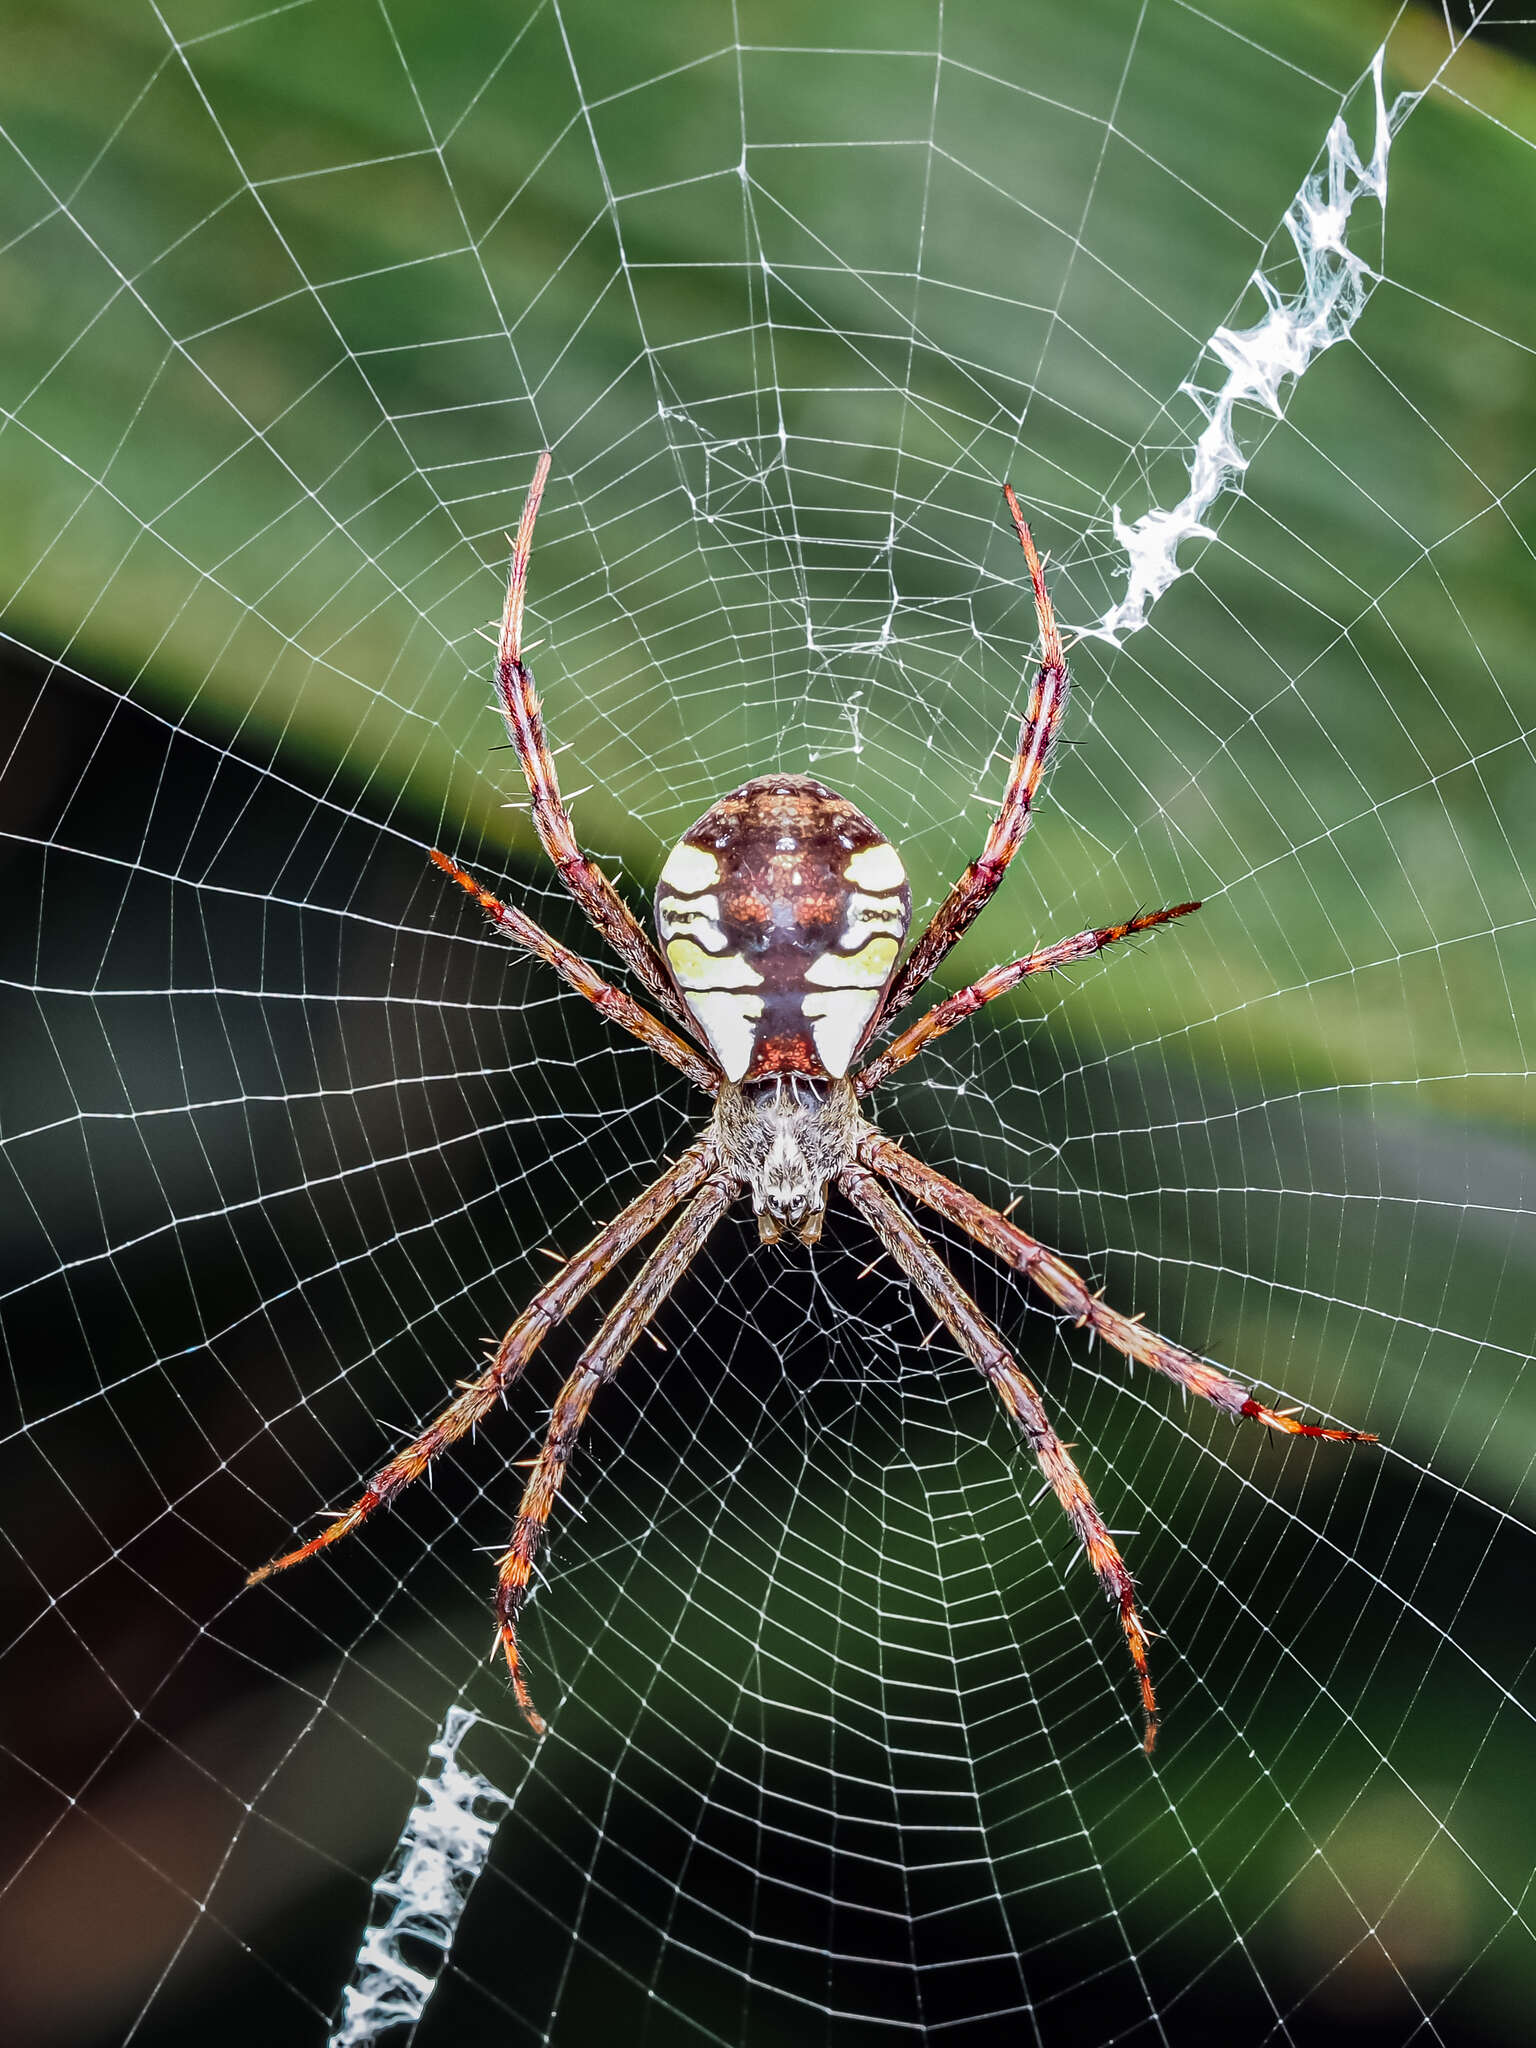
{"x":842,"y":1737}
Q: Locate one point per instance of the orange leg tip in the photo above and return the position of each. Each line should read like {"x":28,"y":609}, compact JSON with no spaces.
{"x":323,"y":1541}
{"x":281,"y":1564}
{"x":452,"y":869}
{"x":1282,"y":1421}
{"x":520,"y":1691}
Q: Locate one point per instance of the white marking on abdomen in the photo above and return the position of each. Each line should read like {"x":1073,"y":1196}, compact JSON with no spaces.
{"x":690,"y":868}
{"x":729,"y":1022}
{"x":870,"y":914}
{"x":838,"y":1021}
{"x":876,"y":867}
{"x":692,"y":917}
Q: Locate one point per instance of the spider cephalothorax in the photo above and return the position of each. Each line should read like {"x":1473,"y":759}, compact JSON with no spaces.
{"x":781,"y":915}
{"x":787,"y":1140}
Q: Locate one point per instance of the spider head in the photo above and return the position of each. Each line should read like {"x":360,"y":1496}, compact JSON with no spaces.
{"x":786,"y":1139}
{"x":788,"y":1191}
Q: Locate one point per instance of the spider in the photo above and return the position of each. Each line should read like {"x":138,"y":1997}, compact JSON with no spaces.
{"x":781,"y":916}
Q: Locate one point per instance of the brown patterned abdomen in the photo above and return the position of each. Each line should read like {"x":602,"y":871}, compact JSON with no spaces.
{"x":781,"y":914}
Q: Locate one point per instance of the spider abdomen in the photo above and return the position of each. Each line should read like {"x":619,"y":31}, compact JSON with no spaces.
{"x":781,"y":914}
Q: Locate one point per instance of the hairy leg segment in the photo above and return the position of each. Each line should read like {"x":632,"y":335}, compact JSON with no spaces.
{"x":615,"y":1005}
{"x":606,"y":909}
{"x":596,"y":1367}
{"x":997,"y":981}
{"x":550,"y":1306}
{"x":981,"y":1342}
{"x":1042,"y":721}
{"x":1066,"y":1287}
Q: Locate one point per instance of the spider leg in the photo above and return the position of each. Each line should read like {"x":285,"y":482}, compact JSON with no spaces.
{"x":551,"y":1305}
{"x":996,"y":982}
{"x":615,"y":1005}
{"x":1055,"y":1278}
{"x":1042,"y":719}
{"x":980,"y":1341}
{"x":609,"y":914}
{"x":597,"y":1365}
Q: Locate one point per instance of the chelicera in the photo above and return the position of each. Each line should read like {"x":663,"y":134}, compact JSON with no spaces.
{"x":781,"y":917}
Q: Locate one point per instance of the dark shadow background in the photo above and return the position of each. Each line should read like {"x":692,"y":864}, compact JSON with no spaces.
{"x":839,"y":1737}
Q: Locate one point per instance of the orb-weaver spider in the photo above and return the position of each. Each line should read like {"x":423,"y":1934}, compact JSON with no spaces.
{"x":781,"y":914}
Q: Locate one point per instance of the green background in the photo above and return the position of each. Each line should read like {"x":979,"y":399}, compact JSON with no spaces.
{"x":286,"y":310}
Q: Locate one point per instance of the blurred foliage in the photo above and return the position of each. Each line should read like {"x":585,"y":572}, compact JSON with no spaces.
{"x":311,"y":355}
{"x":270,"y":478}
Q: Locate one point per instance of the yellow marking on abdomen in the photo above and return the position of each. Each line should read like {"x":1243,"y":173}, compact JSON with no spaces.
{"x":865,"y":969}
{"x":695,"y":968}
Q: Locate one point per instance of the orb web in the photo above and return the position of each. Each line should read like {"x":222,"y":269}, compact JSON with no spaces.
{"x":842,"y":1736}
